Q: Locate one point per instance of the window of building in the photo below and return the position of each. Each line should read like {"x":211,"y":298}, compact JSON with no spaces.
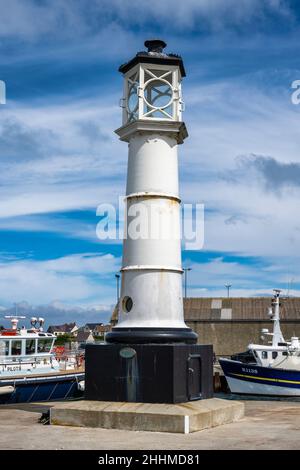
{"x":16,"y":348}
{"x":264,"y":354}
{"x":30,"y":346}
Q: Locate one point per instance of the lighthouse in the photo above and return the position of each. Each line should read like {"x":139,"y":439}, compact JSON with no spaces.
{"x":151,"y":304}
{"x":151,"y":355}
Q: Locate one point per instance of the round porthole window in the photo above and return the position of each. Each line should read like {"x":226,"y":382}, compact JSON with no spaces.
{"x":127,"y":303}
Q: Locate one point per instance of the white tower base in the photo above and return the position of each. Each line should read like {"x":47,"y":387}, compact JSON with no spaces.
{"x":152,"y":272}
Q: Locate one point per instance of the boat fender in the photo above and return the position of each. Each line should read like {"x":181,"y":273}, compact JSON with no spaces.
{"x":7,"y":390}
{"x":81,"y":385}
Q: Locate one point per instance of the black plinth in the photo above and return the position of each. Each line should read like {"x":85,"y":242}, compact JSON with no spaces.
{"x":151,"y":335}
{"x":148,"y":373}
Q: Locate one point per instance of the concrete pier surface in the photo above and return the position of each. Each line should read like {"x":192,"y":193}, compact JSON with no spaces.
{"x":266,"y":425}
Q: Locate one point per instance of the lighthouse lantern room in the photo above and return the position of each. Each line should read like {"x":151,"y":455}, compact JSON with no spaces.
{"x":152,"y":85}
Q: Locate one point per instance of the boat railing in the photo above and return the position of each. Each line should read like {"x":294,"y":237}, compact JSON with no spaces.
{"x":74,"y":356}
{"x":25,"y":358}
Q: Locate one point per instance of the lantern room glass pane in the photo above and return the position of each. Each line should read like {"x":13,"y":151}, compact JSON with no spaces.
{"x":158,"y":94}
{"x":151,"y":73}
{"x":158,"y":100}
{"x":133,"y":99}
{"x":132,"y":103}
{"x":157,"y":113}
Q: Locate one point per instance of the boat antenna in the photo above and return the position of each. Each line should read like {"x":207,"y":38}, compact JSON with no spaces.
{"x":14,"y":320}
{"x":289,"y":286}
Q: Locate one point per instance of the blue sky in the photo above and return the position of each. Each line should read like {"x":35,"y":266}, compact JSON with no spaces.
{"x":60,"y":157}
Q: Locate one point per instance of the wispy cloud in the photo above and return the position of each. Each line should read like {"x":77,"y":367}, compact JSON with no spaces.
{"x":86,"y":17}
{"x":208,"y":279}
{"x":55,"y":156}
{"x":276,"y":175}
{"x":74,"y":279}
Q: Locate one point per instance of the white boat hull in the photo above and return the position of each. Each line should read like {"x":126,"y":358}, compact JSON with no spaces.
{"x":250,"y":388}
{"x":252,"y":379}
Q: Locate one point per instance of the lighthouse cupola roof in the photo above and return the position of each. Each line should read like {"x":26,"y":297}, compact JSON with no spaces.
{"x":154,"y":55}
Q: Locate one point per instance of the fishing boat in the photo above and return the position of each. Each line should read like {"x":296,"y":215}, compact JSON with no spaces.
{"x":29,"y":368}
{"x":266,"y":369}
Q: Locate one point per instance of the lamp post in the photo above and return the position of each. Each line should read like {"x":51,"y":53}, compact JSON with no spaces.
{"x":117,"y":276}
{"x":228,"y":286}
{"x":185,"y":280}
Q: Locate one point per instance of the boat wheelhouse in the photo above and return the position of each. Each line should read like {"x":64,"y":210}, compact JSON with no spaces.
{"x":23,"y":350}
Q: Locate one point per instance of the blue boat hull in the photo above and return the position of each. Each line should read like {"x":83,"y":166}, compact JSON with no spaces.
{"x":62,"y":387}
{"x":252,"y":379}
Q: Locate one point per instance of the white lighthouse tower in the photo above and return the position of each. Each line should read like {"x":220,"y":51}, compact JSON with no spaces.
{"x":150,"y":356}
{"x":151,"y":304}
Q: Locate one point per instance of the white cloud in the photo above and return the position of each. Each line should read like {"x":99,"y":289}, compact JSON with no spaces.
{"x":208,"y":279}
{"x":216,"y":14}
{"x":70,"y":169}
{"x":75,"y":279}
{"x":86,"y":17}
{"x":32,"y":19}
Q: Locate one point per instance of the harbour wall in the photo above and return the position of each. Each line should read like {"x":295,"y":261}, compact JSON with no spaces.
{"x":229,"y":337}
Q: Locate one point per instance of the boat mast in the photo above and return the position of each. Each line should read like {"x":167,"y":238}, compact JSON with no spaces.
{"x":275,"y":311}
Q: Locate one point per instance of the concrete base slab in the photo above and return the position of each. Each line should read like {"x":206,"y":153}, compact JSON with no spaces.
{"x":177,"y":418}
